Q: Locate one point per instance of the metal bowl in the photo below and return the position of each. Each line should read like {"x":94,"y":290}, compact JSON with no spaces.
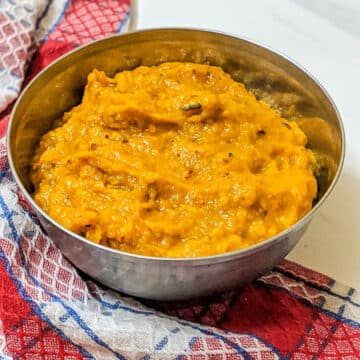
{"x":270,"y":76}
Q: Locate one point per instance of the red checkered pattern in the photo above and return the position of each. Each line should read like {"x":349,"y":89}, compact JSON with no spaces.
{"x":26,"y":335}
{"x":223,"y":351}
{"x":329,"y":338}
{"x":291,"y":313}
{"x":66,"y":283}
{"x":14,"y":41}
{"x":88,"y":20}
{"x":274,"y":310}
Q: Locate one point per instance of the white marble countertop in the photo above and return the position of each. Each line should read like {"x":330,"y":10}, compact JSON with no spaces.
{"x":324,"y":37}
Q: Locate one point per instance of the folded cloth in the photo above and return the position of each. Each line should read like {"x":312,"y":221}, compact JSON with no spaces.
{"x":48,"y":310}
{"x":55,"y":26}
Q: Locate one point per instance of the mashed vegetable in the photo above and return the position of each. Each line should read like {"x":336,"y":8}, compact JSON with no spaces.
{"x":176,"y":160}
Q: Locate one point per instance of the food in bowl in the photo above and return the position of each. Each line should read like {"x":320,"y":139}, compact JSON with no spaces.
{"x":174,"y":160}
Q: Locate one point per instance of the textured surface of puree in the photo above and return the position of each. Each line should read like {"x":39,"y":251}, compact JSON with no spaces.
{"x":176,"y":160}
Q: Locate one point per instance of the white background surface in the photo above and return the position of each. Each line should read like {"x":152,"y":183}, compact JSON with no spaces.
{"x":324,"y":37}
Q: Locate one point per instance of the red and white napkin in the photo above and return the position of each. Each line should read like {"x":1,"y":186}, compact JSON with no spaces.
{"x":49,"y":311}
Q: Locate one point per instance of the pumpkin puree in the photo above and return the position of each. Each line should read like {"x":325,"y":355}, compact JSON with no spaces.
{"x":175,"y":160}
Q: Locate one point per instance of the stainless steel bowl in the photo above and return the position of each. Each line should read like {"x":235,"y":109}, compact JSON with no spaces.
{"x":269,"y":75}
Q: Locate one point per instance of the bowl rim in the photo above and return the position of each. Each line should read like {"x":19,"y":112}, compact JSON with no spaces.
{"x":199,"y":260}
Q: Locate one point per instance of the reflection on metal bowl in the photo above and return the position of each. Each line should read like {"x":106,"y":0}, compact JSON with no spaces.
{"x":270,"y":76}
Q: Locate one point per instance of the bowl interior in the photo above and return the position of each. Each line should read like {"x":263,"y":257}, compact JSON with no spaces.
{"x":270,"y":76}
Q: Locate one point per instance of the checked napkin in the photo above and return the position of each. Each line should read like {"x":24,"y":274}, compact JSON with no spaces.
{"x":50,"y":311}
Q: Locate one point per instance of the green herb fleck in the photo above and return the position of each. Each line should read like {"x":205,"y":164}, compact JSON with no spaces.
{"x":192,"y":106}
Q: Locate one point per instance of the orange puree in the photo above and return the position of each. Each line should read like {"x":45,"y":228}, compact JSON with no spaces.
{"x":175,"y":160}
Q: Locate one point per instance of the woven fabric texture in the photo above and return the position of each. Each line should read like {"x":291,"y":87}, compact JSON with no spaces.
{"x":49,"y":311}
